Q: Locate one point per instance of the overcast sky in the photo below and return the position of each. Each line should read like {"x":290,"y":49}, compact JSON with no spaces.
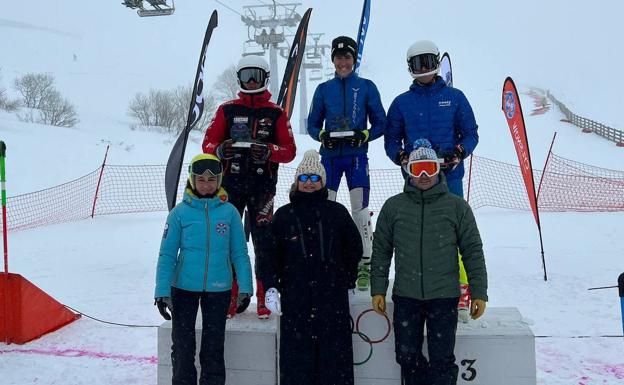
{"x":571,"y":47}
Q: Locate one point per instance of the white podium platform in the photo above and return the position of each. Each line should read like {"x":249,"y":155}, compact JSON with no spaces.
{"x":497,"y":349}
{"x":250,"y":350}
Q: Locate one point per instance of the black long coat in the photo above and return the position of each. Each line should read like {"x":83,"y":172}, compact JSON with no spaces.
{"x":313,"y":263}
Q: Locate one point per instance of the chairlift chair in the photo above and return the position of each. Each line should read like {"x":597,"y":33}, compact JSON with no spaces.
{"x":159,"y":7}
{"x":316,"y":75}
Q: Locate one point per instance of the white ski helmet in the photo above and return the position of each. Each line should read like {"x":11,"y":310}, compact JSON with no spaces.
{"x":253,"y":66}
{"x":428,"y":50}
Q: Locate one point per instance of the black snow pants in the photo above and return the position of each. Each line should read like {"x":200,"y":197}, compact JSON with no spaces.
{"x":440,"y":317}
{"x":214,"y":306}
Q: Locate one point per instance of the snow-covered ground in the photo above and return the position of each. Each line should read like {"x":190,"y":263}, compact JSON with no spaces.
{"x":105,"y":266}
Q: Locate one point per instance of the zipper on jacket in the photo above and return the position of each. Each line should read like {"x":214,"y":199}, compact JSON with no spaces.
{"x":178,"y":269}
{"x":207,"y":244}
{"x":344,"y":97}
{"x":422,"y":232}
{"x":344,"y":107}
{"x":303,"y":248}
{"x":320,"y":226}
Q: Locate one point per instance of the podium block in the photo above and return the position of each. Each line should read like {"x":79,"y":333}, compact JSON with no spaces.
{"x":250,"y":350}
{"x":499,"y":348}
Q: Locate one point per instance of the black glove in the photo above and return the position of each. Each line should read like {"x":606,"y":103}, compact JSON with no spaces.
{"x":452,"y":160}
{"x":327,"y":141}
{"x":260,"y":151}
{"x":242,"y":302}
{"x":459,"y":151}
{"x":358,"y":138}
{"x":163,"y":303}
{"x":401,"y":158}
{"x":225,"y":150}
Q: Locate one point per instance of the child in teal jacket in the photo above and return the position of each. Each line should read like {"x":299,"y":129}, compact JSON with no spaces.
{"x":203,"y":239}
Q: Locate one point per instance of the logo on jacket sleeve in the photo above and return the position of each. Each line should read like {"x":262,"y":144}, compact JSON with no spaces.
{"x":166,"y":230}
{"x":222,"y":228}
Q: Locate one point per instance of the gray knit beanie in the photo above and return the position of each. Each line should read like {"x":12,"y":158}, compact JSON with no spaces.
{"x":310,"y":164}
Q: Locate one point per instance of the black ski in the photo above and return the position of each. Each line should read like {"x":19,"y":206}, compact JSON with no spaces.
{"x":288,"y":90}
{"x":176,"y":158}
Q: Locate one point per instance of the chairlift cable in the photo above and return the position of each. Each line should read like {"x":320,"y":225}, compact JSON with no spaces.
{"x":231,"y":9}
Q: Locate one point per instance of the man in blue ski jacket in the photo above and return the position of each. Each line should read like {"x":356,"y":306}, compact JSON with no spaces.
{"x":441,"y":114}
{"x":433,"y":111}
{"x":338,"y":119}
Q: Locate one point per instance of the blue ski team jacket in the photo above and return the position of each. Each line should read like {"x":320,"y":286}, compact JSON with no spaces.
{"x":436,"y":112}
{"x":344,"y":104}
{"x":203,"y":238}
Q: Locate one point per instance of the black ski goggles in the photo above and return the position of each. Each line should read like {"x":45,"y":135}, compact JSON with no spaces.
{"x":427,"y":61}
{"x":207,"y":168}
{"x":309,"y":177}
{"x":246,"y":75}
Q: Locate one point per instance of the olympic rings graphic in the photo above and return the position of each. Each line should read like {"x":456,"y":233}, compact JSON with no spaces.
{"x":364,"y":337}
{"x":370,"y":350}
{"x":357,"y":326}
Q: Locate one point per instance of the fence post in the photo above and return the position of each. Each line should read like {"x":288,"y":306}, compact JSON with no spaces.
{"x":469,"y":178}
{"x":621,"y":289}
{"x":97,"y":188}
{"x":539,"y":187}
{"x":5,"y":226}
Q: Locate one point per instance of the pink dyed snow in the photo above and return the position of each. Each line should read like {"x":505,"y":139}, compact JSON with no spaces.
{"x":85,"y":353}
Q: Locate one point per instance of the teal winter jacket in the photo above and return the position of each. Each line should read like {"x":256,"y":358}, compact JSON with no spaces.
{"x":202,"y":240}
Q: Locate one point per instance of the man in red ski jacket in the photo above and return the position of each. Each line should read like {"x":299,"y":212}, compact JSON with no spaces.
{"x":251,"y":135}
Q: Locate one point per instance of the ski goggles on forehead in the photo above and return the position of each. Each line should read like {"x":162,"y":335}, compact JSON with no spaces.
{"x":427,"y":61}
{"x":309,"y":177}
{"x":246,"y":75}
{"x":206,"y":168}
{"x":429,"y":167}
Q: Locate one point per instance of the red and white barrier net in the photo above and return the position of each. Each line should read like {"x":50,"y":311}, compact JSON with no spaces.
{"x":566,"y":186}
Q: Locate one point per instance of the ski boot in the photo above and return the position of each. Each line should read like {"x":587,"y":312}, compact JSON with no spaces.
{"x":363,"y":277}
{"x":263,"y":312}
{"x":463,"y":307}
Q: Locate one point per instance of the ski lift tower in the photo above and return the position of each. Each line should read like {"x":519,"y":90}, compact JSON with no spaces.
{"x":266,"y":32}
{"x":313,"y":61}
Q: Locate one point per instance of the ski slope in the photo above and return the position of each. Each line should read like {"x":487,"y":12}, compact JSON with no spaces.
{"x":105,"y":267}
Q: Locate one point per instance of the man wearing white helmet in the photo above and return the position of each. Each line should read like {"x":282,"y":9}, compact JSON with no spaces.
{"x":251,"y":135}
{"x":430,"y":109}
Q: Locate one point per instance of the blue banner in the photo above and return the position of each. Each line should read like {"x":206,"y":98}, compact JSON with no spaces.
{"x":362,"y":34}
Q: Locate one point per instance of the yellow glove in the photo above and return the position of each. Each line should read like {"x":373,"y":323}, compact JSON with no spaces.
{"x":379,"y":304}
{"x":477,"y":308}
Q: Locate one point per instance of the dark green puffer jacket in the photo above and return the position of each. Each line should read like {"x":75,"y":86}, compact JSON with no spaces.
{"x":424,"y":229}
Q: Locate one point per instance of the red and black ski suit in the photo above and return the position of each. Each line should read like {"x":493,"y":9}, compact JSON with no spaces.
{"x":251,"y":183}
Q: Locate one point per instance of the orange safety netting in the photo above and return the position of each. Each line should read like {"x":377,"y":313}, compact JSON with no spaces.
{"x":566,"y":186}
